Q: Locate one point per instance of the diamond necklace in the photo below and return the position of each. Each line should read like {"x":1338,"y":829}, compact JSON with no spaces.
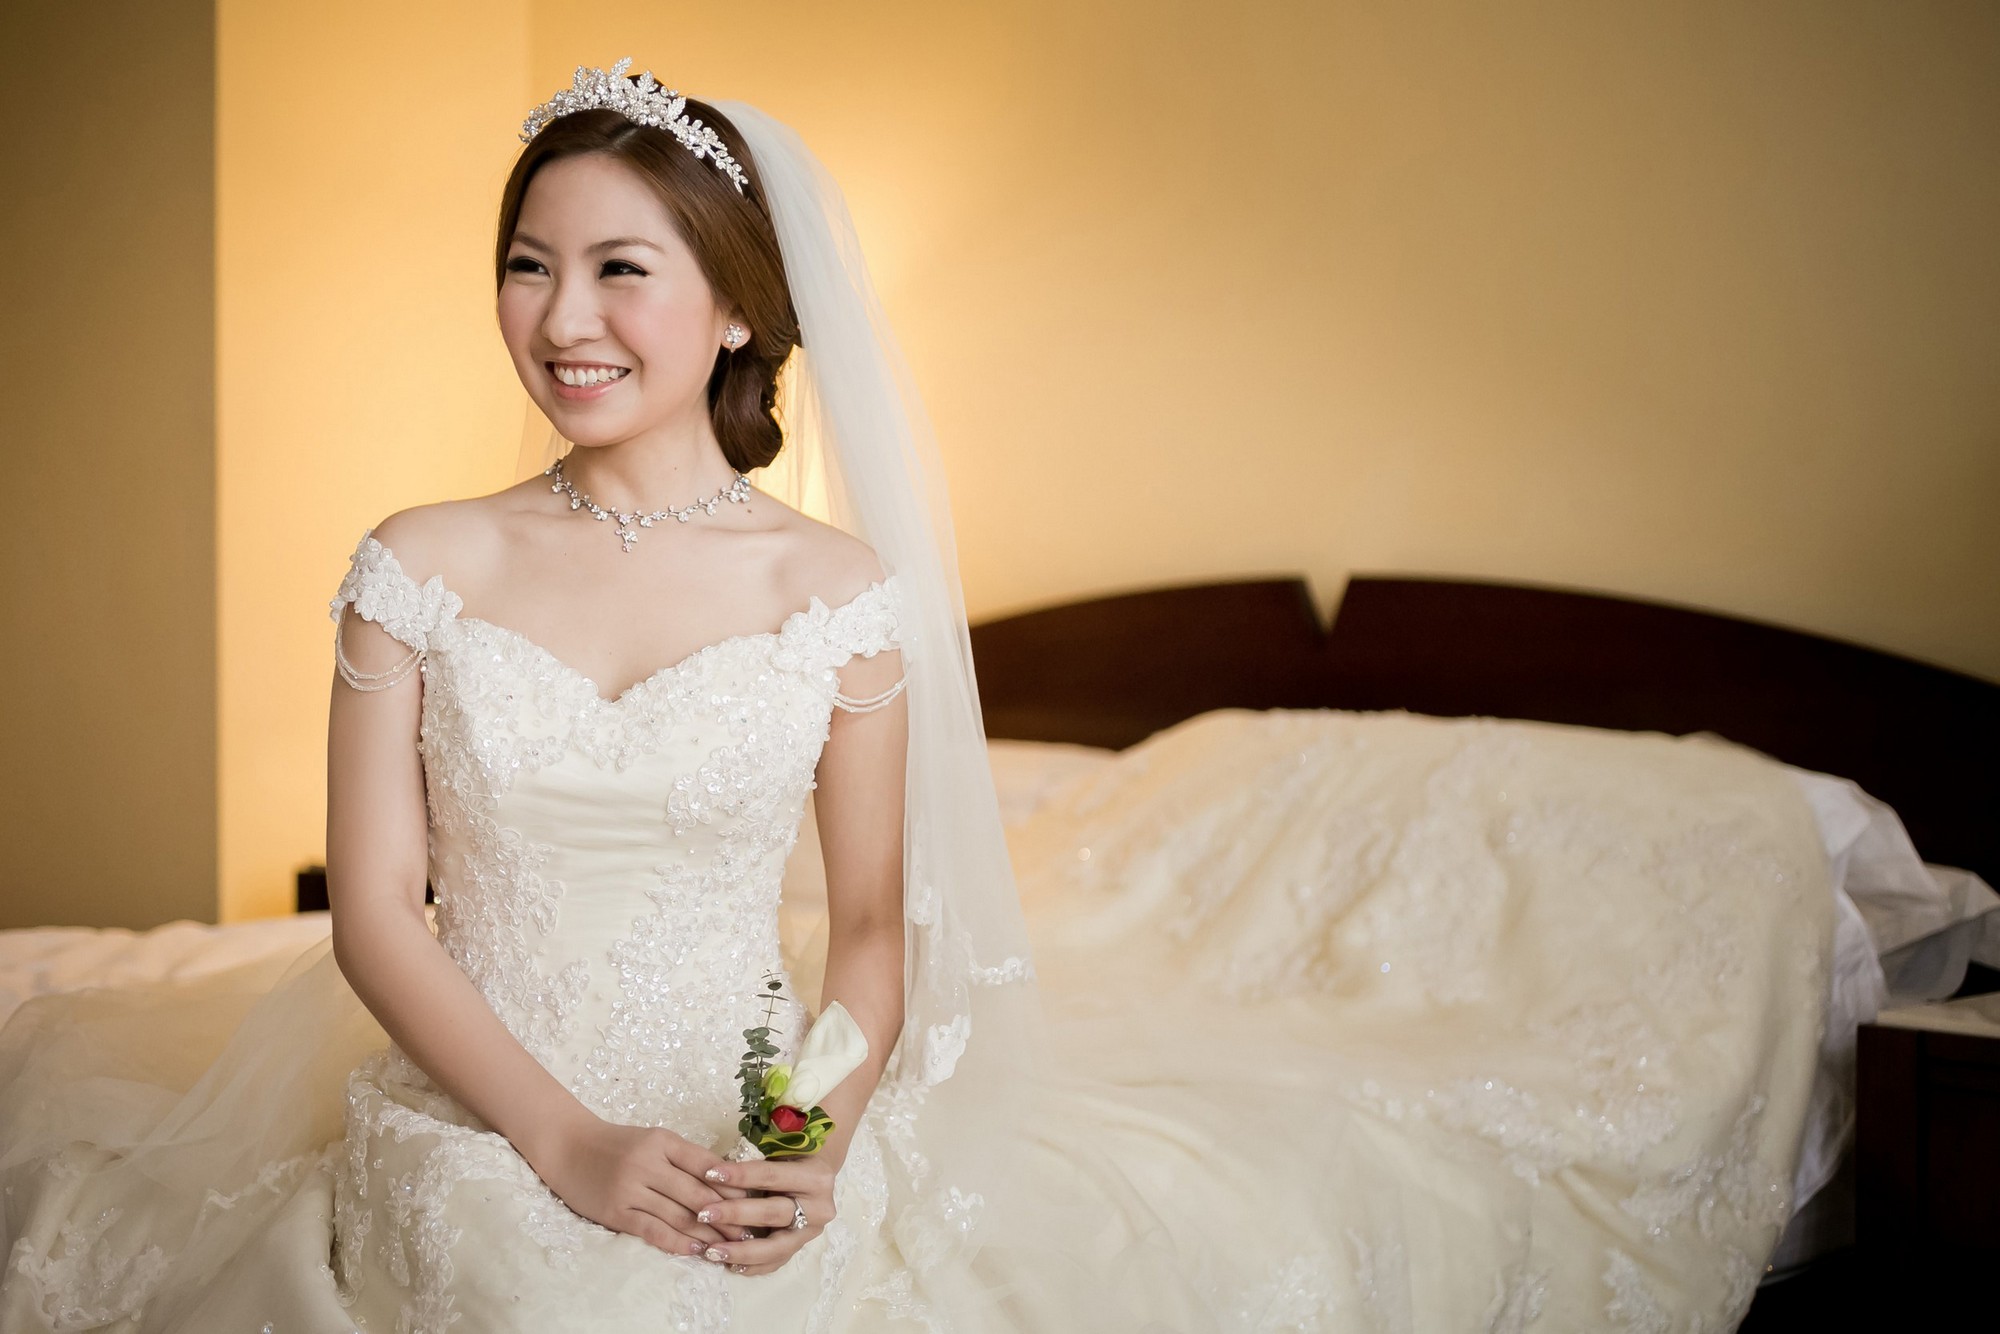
{"x":736,"y":492}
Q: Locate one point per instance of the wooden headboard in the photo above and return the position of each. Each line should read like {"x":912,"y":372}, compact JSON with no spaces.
{"x":1111,"y":671}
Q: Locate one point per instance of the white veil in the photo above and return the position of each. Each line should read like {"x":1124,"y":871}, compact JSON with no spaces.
{"x":857,"y":428}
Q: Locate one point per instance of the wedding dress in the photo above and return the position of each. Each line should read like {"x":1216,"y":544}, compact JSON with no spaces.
{"x":1354,"y":1022}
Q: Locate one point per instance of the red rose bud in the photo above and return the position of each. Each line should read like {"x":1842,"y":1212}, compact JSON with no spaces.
{"x":788,"y":1119}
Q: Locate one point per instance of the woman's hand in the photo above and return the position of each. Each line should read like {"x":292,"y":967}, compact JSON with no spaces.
{"x":808,"y":1180}
{"x":643,"y":1180}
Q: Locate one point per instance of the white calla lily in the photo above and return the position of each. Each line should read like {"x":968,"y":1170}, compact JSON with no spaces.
{"x":834,"y":1048}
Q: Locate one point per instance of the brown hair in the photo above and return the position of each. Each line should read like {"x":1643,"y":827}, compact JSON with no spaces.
{"x":732,"y":240}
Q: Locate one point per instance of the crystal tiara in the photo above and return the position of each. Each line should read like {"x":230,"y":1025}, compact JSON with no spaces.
{"x":645,"y":102}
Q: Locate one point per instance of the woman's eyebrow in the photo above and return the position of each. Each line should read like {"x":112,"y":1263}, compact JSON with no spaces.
{"x":612,"y":244}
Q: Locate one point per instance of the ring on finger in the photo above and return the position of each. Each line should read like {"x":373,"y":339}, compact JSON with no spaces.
{"x":798,"y":1214}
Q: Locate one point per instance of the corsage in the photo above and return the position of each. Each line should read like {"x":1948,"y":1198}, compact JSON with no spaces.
{"x":782,"y":1117}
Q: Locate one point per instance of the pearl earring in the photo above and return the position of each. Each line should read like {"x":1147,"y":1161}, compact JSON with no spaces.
{"x":733,"y":336}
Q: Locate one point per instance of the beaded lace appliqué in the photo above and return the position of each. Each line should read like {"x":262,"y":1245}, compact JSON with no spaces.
{"x":89,"y":1286}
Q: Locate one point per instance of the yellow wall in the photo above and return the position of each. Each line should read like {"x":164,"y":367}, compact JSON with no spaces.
{"x":107,"y":616}
{"x":360,"y":155}
{"x":1690,"y":302}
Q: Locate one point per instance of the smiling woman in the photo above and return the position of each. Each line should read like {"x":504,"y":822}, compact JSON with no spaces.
{"x":699,"y":258}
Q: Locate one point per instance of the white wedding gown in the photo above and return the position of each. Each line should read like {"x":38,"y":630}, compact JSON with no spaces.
{"x":1352,"y":1022}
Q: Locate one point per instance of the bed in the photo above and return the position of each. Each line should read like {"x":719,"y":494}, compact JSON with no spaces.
{"x":1894,"y":755}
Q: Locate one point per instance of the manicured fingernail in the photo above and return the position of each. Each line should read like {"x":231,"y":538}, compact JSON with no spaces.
{"x":695,"y":1248}
{"x":706,"y":1215}
{"x":716,"y":1255}
{"x":716,"y":1174}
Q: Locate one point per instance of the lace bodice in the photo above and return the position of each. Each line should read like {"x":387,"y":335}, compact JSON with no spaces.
{"x":607,"y":871}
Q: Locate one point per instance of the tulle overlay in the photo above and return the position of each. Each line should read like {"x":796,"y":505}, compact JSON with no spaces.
{"x":1350,"y":1022}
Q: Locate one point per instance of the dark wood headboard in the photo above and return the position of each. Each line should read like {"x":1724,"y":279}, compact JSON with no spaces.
{"x":1111,"y":671}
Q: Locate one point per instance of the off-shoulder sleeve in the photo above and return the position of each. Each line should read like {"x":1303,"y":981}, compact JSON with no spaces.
{"x":869,"y":624}
{"x":384,"y":593}
{"x":820,"y":639}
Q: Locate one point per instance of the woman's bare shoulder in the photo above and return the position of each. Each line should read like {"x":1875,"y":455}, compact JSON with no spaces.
{"x":824,"y":561}
{"x":453,"y":539}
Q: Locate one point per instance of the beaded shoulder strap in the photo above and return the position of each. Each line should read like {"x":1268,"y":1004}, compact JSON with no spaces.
{"x":873,"y":702}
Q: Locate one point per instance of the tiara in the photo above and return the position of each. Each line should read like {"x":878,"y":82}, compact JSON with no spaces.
{"x":645,"y":102}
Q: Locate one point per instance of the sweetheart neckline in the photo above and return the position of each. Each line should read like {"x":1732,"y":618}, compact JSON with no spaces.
{"x":454,"y":606}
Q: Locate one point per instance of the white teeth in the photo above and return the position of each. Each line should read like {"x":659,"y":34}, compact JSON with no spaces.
{"x":583,"y":379}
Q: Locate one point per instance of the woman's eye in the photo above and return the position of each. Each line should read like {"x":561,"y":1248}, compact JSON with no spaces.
{"x":617,"y":268}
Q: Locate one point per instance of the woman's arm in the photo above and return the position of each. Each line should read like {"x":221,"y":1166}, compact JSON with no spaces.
{"x":859,"y":805}
{"x":377,"y":857}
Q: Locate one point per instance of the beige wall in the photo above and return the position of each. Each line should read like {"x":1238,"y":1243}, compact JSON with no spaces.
{"x":360,"y":155}
{"x":1690,"y":302}
{"x":107,"y":282}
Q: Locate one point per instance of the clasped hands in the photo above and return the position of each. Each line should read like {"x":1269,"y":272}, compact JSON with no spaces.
{"x":685,"y":1200}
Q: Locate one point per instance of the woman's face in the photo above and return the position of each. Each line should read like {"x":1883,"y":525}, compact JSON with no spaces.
{"x":597,"y":277}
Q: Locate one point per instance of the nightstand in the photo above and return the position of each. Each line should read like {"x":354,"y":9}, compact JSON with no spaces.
{"x":1927,"y":1132}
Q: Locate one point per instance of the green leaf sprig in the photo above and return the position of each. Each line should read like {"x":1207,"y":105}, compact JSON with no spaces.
{"x":763,"y":1084}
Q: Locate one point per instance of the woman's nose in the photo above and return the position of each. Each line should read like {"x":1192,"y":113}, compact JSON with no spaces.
{"x":572,"y":314}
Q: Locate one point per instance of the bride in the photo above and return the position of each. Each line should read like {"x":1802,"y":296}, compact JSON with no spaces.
{"x":589,"y":711}
{"x":611,"y":837}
